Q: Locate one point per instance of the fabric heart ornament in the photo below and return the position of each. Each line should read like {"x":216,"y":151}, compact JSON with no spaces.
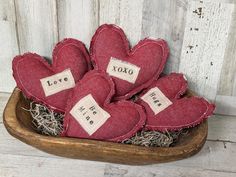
{"x":166,"y":110}
{"x":131,"y":69}
{"x":183,"y":113}
{"x":173,"y":86}
{"x":51,"y":84}
{"x":90,"y":113}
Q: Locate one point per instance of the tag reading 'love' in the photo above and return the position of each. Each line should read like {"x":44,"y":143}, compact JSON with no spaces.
{"x":51,"y":84}
{"x":57,"y":82}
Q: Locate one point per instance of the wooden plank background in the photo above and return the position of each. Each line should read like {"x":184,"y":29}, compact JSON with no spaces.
{"x":201,"y":35}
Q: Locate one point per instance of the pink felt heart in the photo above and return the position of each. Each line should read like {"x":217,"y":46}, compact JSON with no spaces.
{"x":167,"y":111}
{"x":132,"y":70}
{"x":51,"y":84}
{"x":172,"y":86}
{"x":183,"y":113}
{"x":90,"y":113}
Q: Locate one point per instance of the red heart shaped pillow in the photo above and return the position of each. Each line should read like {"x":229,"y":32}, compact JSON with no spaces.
{"x":183,"y":113}
{"x":172,"y":86}
{"x":51,"y":84}
{"x":90,"y":113}
{"x":166,"y":111}
{"x":132,"y":70}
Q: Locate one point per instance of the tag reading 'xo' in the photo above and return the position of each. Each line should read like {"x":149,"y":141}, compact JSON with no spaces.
{"x":58,"y":82}
{"x":123,"y":70}
{"x":89,"y":114}
{"x":156,"y":100}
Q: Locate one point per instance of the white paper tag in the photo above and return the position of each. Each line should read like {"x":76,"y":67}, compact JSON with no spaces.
{"x":156,"y":100}
{"x":123,"y":70}
{"x":89,"y":114}
{"x":57,"y":82}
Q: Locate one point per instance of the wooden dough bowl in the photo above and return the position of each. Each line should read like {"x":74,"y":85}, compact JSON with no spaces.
{"x":19,"y":124}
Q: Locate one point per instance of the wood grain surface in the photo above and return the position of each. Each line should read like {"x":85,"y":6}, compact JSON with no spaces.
{"x":19,"y":124}
{"x":217,"y":158}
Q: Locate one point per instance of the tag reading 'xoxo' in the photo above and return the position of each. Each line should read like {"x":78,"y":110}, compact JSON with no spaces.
{"x":58,"y":82}
{"x":123,"y":70}
{"x":89,"y":114}
{"x":156,"y":100}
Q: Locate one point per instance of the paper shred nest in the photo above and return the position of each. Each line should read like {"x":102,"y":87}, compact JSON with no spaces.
{"x":155,"y":138}
{"x":48,"y":122}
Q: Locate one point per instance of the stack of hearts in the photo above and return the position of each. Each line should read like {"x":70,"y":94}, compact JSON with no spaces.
{"x":94,"y":89}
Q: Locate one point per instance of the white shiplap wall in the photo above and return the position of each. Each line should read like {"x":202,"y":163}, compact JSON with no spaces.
{"x":201,"y":35}
{"x":125,"y":13}
{"x":8,"y":44}
{"x":77,"y":19}
{"x":36,"y":26}
{"x":204,"y":44}
{"x":166,"y":19}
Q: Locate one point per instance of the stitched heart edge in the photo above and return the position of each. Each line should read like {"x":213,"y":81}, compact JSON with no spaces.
{"x":107,"y":101}
{"x":160,"y":42}
{"x":57,"y":48}
{"x":208,"y":112}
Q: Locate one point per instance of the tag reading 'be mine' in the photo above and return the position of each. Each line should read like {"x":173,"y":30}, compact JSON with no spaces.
{"x":123,"y":70}
{"x":58,"y":82}
{"x":89,"y":114}
{"x":156,"y":100}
